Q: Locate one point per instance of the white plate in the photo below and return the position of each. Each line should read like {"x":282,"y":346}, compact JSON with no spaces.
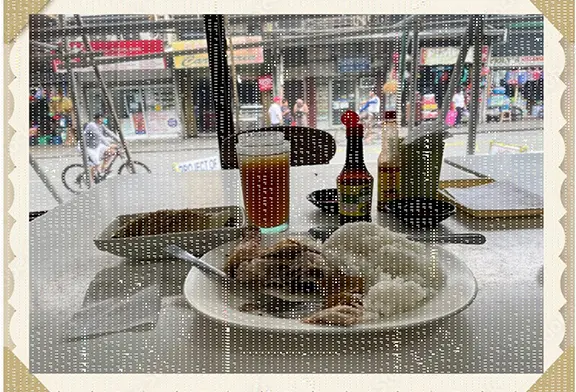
{"x":456,"y":293}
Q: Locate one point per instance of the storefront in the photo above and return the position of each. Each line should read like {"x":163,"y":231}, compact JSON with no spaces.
{"x":517,"y":70}
{"x":331,"y":87}
{"x":143,"y":92}
{"x":194,"y":84}
{"x":522,"y":82}
{"x":146,"y":108}
{"x":436,"y":64}
{"x":50,"y":109}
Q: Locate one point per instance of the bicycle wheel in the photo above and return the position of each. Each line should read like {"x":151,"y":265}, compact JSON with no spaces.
{"x":74,"y":178}
{"x":139,"y":168}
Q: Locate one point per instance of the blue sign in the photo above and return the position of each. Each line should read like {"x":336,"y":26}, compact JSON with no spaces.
{"x":172,"y":122}
{"x":354,"y":64}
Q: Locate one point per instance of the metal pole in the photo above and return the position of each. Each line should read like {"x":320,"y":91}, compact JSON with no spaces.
{"x":455,"y":77}
{"x":221,"y":91}
{"x":413,"y":87}
{"x":401,"y":71}
{"x":234,"y":78}
{"x":108,"y":99}
{"x":74,"y":98}
{"x":478,"y":39}
{"x":45,"y":179}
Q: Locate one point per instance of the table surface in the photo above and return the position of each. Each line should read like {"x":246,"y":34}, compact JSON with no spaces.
{"x":500,"y":332}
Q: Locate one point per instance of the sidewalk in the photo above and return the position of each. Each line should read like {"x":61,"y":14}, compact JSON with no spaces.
{"x":211,"y":142}
{"x":135,"y":146}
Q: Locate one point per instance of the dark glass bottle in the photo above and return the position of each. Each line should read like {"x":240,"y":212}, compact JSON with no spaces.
{"x":355,"y":183}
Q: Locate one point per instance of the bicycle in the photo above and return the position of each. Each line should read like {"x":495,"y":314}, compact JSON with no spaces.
{"x":74,"y":176}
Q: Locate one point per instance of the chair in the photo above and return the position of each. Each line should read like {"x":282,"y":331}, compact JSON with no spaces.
{"x":309,"y":146}
{"x":35,"y":214}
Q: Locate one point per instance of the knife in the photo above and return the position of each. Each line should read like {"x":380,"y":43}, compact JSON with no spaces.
{"x":322,"y":234}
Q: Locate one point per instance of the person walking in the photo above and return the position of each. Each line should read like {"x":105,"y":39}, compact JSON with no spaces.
{"x":301,"y":113}
{"x":369,"y":112}
{"x":275,"y":112}
{"x":460,"y":104}
{"x":286,"y":113}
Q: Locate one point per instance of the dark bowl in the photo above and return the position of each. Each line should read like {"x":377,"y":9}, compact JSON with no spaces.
{"x":325,"y":199}
{"x":421,"y":211}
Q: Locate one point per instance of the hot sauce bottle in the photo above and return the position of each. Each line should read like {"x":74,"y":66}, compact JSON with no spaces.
{"x":389,"y":165}
{"x":354,"y":183}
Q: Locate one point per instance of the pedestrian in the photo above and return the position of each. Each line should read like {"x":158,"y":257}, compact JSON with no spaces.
{"x":369,"y":112}
{"x":286,"y":113}
{"x":275,"y":112}
{"x":459,"y":104}
{"x":452,"y":115}
{"x":301,"y":113}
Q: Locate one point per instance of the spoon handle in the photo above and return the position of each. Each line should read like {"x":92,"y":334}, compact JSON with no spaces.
{"x":208,"y":270}
{"x":467,"y":239}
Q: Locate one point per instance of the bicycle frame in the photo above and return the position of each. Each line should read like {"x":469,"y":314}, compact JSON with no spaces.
{"x":108,"y":168}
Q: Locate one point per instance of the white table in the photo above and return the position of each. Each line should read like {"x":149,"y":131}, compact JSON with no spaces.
{"x":500,"y":332}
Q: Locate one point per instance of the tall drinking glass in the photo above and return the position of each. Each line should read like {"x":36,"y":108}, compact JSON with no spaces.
{"x":264,"y":161}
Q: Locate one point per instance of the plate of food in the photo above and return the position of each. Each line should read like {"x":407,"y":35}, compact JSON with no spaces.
{"x":369,"y":279}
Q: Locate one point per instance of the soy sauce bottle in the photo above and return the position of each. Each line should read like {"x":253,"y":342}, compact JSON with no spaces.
{"x":355,"y":184}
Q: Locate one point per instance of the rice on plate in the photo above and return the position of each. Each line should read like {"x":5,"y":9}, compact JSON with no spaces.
{"x":399,"y":273}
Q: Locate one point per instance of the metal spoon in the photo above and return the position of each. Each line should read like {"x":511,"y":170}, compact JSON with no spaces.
{"x":269,"y":300}
{"x":322,"y":233}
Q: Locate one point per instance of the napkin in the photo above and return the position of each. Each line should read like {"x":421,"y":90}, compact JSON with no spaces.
{"x":135,"y":313}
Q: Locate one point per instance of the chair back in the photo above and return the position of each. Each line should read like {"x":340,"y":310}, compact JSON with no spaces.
{"x":308,"y":146}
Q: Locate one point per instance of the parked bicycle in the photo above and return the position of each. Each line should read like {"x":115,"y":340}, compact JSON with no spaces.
{"x":74,"y":176}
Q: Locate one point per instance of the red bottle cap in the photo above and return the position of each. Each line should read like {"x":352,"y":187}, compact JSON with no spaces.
{"x":352,"y":122}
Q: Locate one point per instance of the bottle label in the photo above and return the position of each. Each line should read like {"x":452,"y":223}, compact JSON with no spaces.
{"x":388,"y":183}
{"x":355,"y":200}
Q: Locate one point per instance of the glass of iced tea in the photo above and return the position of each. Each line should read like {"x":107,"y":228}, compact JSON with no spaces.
{"x":264,"y":161}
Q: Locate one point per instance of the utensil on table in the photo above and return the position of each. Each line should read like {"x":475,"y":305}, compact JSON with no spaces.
{"x":271,"y":301}
{"x":464,"y":238}
{"x":322,"y":233}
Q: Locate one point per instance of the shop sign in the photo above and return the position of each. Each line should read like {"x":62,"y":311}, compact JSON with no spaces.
{"x":124,"y":48}
{"x":211,"y":163}
{"x":517,"y":61}
{"x":265,"y":83}
{"x":448,"y":55}
{"x":354,"y":64}
{"x":162,"y":122}
{"x":253,"y":55}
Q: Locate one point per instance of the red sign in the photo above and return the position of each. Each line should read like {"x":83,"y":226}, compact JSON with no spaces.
{"x":119,"y":49}
{"x":265,"y":83}
{"x":139,"y":123}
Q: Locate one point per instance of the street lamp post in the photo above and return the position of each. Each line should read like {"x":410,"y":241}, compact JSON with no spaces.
{"x":478,"y":39}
